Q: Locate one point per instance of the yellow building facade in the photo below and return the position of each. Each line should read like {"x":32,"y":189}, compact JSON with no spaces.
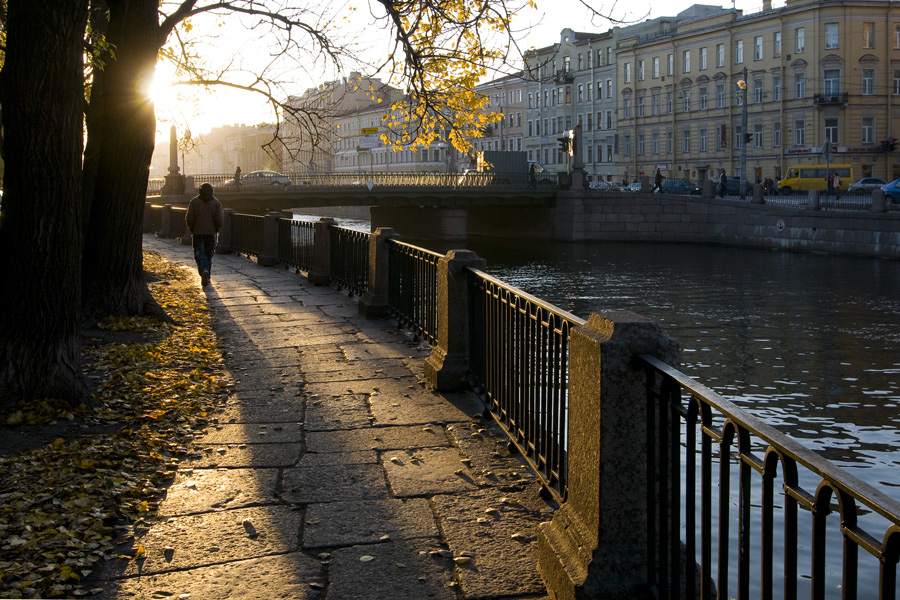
{"x":813,"y":73}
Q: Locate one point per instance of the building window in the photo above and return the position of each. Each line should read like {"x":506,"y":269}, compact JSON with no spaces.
{"x":670,"y":64}
{"x":588,"y":89}
{"x":832,"y":82}
{"x":686,"y":100}
{"x":609,"y":119}
{"x":654,"y":104}
{"x":868,"y":35}
{"x":799,"y":40}
{"x":799,"y":133}
{"x":896,"y":82}
{"x":702,"y":138}
{"x":530,"y":128}
{"x":627,"y":145}
{"x":626,"y":72}
{"x":654,"y":141}
{"x":776,"y":44}
{"x":686,"y":140}
{"x":581,"y":93}
{"x":626,"y":109}
{"x":654,"y":67}
{"x":720,"y":55}
{"x":670,"y":142}
{"x":640,"y":144}
{"x":640,"y":70}
{"x":831,"y":130}
{"x":757,"y":135}
{"x":704,"y":97}
{"x":757,"y":47}
{"x":600,"y":120}
{"x":640,"y":106}
{"x":868,"y":82}
{"x":776,"y":134}
{"x":868,"y":130}
{"x":758,"y":91}
{"x":568,"y":94}
{"x":669,"y":104}
{"x":686,"y":61}
{"x":776,"y":87}
{"x":702,"y":59}
{"x":609,"y":88}
{"x":738,"y":137}
{"x":590,"y":122}
{"x":599,"y":90}
{"x":897,"y":36}
{"x":831,"y":36}
{"x":739,"y":52}
{"x":800,"y":85}
{"x":720,"y":95}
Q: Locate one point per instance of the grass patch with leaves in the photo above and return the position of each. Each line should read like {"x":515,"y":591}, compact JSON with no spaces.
{"x":65,"y":507}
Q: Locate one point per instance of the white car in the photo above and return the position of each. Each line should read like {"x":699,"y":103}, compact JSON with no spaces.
{"x":257,"y":178}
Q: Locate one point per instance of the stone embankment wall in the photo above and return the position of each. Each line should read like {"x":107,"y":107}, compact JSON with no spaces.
{"x":612,"y":216}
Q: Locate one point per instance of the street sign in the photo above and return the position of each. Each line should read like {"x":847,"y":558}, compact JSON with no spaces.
{"x":369,"y":141}
{"x":368,"y":130}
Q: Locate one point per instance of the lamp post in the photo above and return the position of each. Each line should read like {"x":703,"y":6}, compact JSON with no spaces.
{"x":745,"y":137}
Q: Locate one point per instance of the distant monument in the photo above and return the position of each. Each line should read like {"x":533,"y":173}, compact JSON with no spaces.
{"x":174,"y":185}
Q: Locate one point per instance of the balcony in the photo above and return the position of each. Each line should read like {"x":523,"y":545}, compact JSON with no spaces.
{"x":564,"y":76}
{"x":834,"y":99}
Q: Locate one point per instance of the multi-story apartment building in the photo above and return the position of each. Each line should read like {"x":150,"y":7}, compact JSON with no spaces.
{"x":816,"y":72}
{"x":506,"y":96}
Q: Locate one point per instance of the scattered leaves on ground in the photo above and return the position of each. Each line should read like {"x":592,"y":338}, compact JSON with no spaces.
{"x":68,"y":506}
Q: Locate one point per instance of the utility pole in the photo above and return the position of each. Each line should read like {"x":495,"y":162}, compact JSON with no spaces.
{"x":745,"y":137}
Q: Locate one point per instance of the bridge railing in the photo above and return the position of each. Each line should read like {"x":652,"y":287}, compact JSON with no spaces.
{"x":664,"y":485}
{"x":413,"y":295}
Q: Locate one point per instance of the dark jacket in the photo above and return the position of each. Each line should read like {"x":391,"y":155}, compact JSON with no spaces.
{"x":204,"y":214}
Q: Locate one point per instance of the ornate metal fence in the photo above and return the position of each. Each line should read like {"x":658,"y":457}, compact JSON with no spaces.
{"x":691,"y":424}
{"x":413,"y":288}
{"x":350,"y":259}
{"x":519,"y":348}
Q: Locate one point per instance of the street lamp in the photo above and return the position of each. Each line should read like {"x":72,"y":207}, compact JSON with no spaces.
{"x":745,"y":137}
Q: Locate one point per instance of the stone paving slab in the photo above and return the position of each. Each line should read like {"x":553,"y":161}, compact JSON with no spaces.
{"x":206,"y":490}
{"x":370,"y":350}
{"x":291,"y":576}
{"x":395,"y":570}
{"x":375,"y":438}
{"x":333,"y":483}
{"x":217,"y":537}
{"x":420,"y":407}
{"x":347,"y":411}
{"x":481,"y":525}
{"x":327,"y":459}
{"x":254,"y":433}
{"x":335,"y":524}
{"x":426,"y":472}
{"x":245,"y":455}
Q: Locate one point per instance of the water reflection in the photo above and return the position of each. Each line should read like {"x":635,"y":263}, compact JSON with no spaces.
{"x":807,"y":342}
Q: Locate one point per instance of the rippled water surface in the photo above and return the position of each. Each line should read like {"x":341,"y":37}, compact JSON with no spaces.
{"x":808,"y":342}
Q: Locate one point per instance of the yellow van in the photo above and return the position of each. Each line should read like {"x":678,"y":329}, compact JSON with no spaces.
{"x":803,"y":178}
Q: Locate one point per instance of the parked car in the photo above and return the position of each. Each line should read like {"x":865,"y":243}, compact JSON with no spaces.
{"x":632,"y":187}
{"x":733,"y":187}
{"x":892,"y":190}
{"x":679,"y":186}
{"x":603,"y":185}
{"x":866,"y":184}
{"x":257,"y":178}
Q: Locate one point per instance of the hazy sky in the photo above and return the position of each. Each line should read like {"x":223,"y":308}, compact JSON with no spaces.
{"x":202,"y":111}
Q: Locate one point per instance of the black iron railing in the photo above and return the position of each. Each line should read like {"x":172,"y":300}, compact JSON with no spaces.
{"x":691,"y":424}
{"x":296,"y":243}
{"x":413,"y":292}
{"x":519,"y":349}
{"x":247,"y":234}
{"x":350,"y":259}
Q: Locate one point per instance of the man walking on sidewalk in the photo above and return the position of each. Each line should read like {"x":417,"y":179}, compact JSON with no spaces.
{"x":204,"y":219}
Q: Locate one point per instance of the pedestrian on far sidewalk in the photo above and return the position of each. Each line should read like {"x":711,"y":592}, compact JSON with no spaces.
{"x":204,"y":220}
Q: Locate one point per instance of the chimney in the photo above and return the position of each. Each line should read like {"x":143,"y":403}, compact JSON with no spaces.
{"x":767,"y":5}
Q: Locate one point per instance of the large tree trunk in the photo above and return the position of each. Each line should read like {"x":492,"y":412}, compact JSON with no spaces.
{"x":41,"y":90}
{"x":121,"y":136}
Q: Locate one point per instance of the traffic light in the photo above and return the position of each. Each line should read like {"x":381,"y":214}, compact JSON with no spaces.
{"x":563,"y":144}
{"x":748,"y":137}
{"x":891,"y":144}
{"x":884,"y":146}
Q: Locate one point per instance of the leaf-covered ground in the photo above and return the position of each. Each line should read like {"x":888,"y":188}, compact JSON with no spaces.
{"x":68,"y":503}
